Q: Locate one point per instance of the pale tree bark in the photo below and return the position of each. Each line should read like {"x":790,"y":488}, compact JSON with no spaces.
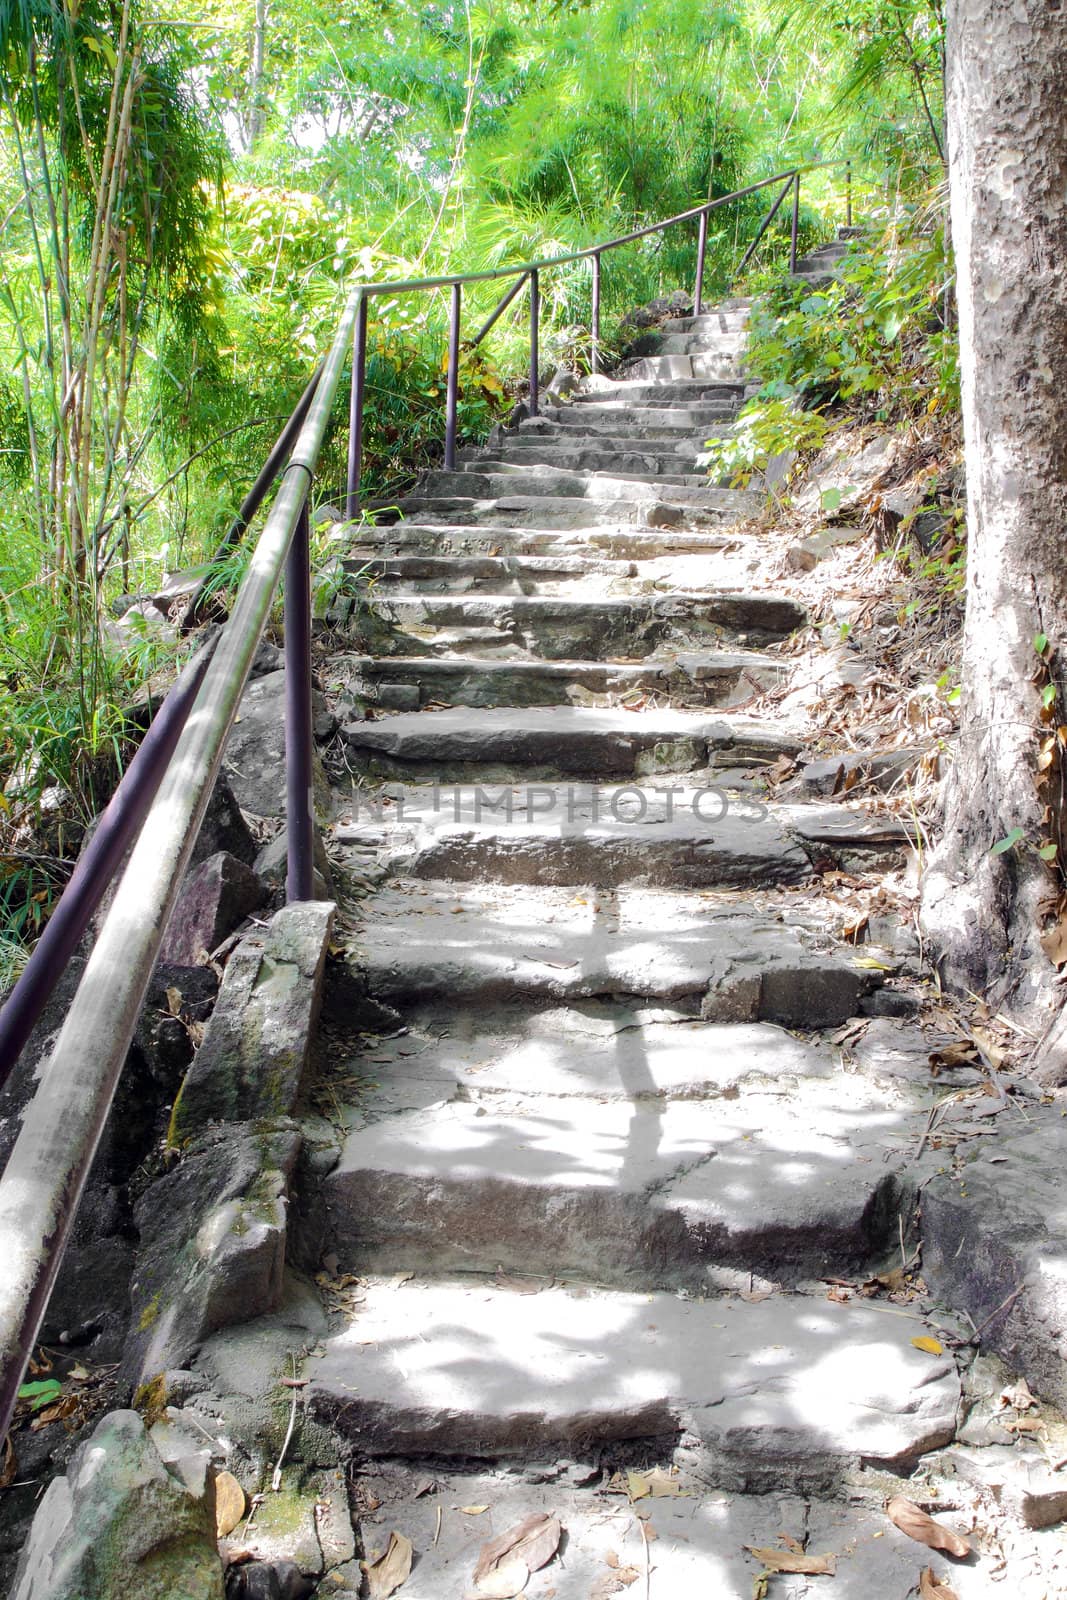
{"x":985,"y":912}
{"x":256,"y":121}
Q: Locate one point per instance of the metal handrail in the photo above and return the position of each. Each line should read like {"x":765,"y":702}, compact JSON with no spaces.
{"x":63,"y":1123}
{"x":170,"y":781}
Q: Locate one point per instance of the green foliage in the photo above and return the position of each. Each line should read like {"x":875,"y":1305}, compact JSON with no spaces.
{"x":876,"y":340}
{"x":764,"y":428}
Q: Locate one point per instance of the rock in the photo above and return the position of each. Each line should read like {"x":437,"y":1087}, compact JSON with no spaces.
{"x":865,"y":769}
{"x":254,"y":761}
{"x":122,"y":1524}
{"x":398,"y":696}
{"x":255,"y":1051}
{"x":223,"y":828}
{"x":211,"y":1249}
{"x":267,"y":1580}
{"x":1020,"y":1481}
{"x":214,"y":899}
{"x":272,"y":864}
{"x":995,"y":1246}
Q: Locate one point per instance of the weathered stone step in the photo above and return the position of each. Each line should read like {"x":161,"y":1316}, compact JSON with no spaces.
{"x":561,"y":627}
{"x":568,"y":741}
{"x":704,"y":341}
{"x":667,"y":369}
{"x":663,"y":466}
{"x":785,"y":1394}
{"x":480,"y":945}
{"x":660,"y":1194}
{"x":549,"y":461}
{"x":641,"y":507}
{"x":718,"y":321}
{"x":613,"y":541}
{"x":680,"y":449}
{"x":693,"y":678}
{"x":493,"y":574}
{"x":678,"y":837}
{"x":707,"y":394}
{"x":617,"y":419}
{"x":556,"y":483}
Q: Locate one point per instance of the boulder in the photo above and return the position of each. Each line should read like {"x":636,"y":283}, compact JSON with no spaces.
{"x":211,"y":1244}
{"x":254,"y":1055}
{"x":214,"y":899}
{"x":122,"y":1523}
{"x":255,"y":751}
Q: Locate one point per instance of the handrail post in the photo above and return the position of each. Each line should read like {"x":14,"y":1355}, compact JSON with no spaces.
{"x":535,"y":339}
{"x":795,"y":230}
{"x":355,"y":410}
{"x":452,"y":389}
{"x":594,"y":351}
{"x":848,"y":194}
{"x":702,"y":247}
{"x":299,"y":882}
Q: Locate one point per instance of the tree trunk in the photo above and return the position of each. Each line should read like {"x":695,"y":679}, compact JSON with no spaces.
{"x":985,"y":912}
{"x":257,"y":107}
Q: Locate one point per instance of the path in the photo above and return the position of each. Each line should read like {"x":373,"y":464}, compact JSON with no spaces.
{"x":600,"y":1170}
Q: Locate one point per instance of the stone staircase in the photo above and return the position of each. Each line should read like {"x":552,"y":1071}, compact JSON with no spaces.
{"x":595,"y":1158}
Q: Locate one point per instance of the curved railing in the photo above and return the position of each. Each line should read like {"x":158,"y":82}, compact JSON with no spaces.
{"x":160,"y":804}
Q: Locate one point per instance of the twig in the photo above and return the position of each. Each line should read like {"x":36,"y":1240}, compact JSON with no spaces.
{"x":276,"y":1477}
{"x":1003,"y":1306}
{"x":648,"y":1557}
{"x":903,"y":1252}
{"x":437,"y":1529}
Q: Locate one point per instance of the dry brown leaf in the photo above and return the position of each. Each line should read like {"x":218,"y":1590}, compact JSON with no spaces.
{"x":662,"y":1483}
{"x":8,"y":1465}
{"x":474,"y":1511}
{"x":506,"y":1562}
{"x":1054,"y":943}
{"x":931,"y":1589}
{"x":637,"y":1485}
{"x":174,"y":1002}
{"x":913,"y":1521}
{"x":791,"y":1543}
{"x":229,"y":1504}
{"x":792,"y":1561}
{"x":392,"y":1569}
{"x":1018,"y":1396}
{"x":1021,"y":1424}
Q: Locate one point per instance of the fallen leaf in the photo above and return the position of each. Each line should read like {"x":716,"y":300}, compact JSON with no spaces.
{"x":1018,"y":1396}
{"x":663,"y":1483}
{"x":229,"y":1504}
{"x":505,"y":1563}
{"x":931,"y":1589}
{"x":839,"y":1296}
{"x":1021,"y":1424}
{"x":1054,"y":943}
{"x":174,"y":1002}
{"x":473,"y":1511}
{"x":386,"y":1575}
{"x":792,"y":1561}
{"x":791,"y":1543}
{"x":8,"y":1466}
{"x":931,"y":1346}
{"x":637,"y":1485}
{"x":908,"y":1517}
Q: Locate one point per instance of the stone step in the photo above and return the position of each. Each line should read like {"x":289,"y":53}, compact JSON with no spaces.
{"x":674,"y":445}
{"x":559,"y":741}
{"x":497,"y":944}
{"x":562,"y":627}
{"x":684,"y":836}
{"x":718,"y":321}
{"x":604,"y":414}
{"x":612,"y":541}
{"x":670,"y":465}
{"x":457,"y":574}
{"x":666,"y":369}
{"x":787,"y":1394}
{"x":637,"y":506}
{"x":554,"y":483}
{"x":718,"y":394}
{"x":705,"y":341}
{"x":654,"y":1193}
{"x":549,"y":461}
{"x":689,"y":679}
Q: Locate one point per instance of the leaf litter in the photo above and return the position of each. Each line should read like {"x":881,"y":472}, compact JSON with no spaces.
{"x":505,"y":1563}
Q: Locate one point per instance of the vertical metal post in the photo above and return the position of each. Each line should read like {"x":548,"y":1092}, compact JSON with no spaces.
{"x":795,"y":232}
{"x":535,"y":339}
{"x":594,"y":353}
{"x":848,"y":194}
{"x":355,"y":410}
{"x":452,"y":391}
{"x":702,"y":249}
{"x":299,"y":882}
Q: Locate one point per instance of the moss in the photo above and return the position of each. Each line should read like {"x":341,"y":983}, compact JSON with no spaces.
{"x":149,"y":1314}
{"x":150,"y":1399}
